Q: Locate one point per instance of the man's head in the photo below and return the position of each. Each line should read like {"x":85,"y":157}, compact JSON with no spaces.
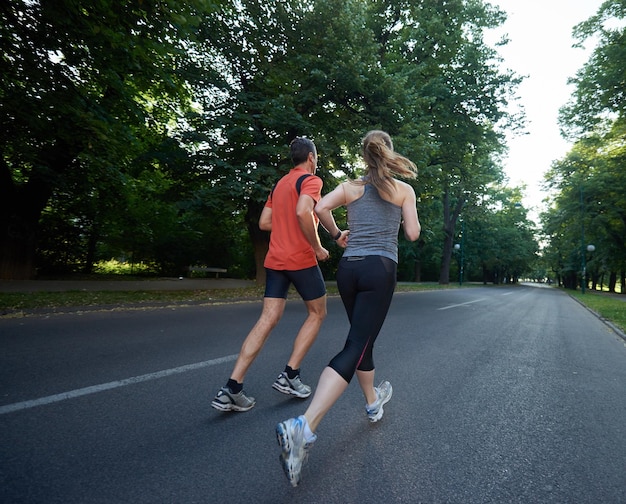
{"x":300,"y":149}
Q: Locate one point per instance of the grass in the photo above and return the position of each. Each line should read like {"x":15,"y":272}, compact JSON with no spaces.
{"x":16,"y":304}
{"x":607,"y":306}
{"x":19,"y":304}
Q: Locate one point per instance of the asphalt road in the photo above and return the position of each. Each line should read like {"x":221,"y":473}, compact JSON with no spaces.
{"x":501,"y":394}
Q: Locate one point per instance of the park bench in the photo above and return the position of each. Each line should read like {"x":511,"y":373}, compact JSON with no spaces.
{"x":205,"y":269}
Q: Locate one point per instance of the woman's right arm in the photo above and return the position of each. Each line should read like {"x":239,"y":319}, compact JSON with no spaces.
{"x":324,"y":208}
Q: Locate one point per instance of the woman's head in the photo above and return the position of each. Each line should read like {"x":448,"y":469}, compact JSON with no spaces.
{"x":383,"y":163}
{"x":373,"y":141}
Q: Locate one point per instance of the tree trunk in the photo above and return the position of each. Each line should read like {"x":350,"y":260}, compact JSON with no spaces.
{"x":17,"y":252}
{"x":450,"y":217}
{"x":18,"y":233}
{"x":260,"y":240}
{"x":418,"y":271}
{"x":446,"y":259}
{"x":92,"y":244}
{"x":612,"y":281}
{"x":20,"y":210}
{"x":260,"y":251}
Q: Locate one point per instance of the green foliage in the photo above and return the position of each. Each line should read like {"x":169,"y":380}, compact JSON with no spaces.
{"x":588,"y":185}
{"x":589,"y":207}
{"x":154,"y":131}
{"x":599,"y":97}
{"x":85,"y":88}
{"x":115,"y":267}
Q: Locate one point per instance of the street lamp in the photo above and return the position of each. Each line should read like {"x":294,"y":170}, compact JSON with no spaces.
{"x":583,"y":261}
{"x":583,"y":284}
{"x":461,"y":247}
{"x":458,"y":247}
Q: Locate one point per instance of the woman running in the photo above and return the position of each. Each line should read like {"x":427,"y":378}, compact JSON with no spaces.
{"x":366,"y":278}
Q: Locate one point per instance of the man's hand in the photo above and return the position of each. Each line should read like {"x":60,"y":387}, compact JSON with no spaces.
{"x":322,"y":254}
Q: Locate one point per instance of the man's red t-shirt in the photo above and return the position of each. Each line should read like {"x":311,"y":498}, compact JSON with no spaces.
{"x":289,"y":249}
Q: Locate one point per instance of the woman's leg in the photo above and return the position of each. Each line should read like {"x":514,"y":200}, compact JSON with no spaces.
{"x":366,"y":381}
{"x":377,"y":300}
{"x":329,"y":388}
{"x":367,"y":288}
{"x":371,"y":283}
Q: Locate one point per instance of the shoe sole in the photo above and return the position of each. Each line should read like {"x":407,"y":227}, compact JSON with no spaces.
{"x":285,"y":445}
{"x":230,"y":407}
{"x":289,"y":391}
{"x":379,"y":415}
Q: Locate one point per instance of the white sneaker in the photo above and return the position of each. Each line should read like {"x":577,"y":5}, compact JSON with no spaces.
{"x":295,"y":448}
{"x":225,"y":400}
{"x":293,"y":386}
{"x":383,"y":394}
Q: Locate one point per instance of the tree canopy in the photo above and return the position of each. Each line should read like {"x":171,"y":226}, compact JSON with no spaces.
{"x":153,"y":131}
{"x":588,"y":206}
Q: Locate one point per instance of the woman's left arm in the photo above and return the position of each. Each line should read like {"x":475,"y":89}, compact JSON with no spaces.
{"x":410,"y":220}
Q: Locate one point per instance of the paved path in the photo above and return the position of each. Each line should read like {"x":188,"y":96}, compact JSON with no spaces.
{"x":501,"y":395}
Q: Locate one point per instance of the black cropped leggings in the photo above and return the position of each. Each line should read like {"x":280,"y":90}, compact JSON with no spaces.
{"x":366,"y":286}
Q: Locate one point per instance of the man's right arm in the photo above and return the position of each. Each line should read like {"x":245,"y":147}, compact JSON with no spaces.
{"x":265,"y":221}
{"x":308,"y":224}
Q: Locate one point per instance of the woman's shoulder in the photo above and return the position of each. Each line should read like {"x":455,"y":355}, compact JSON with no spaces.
{"x":403,"y":190}
{"x":404,"y":187}
{"x":353,"y":189}
{"x":403,"y":184}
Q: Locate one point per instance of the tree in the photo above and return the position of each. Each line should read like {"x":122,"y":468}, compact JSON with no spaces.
{"x":588,"y":207}
{"x":589,"y":181}
{"x":467,"y":115}
{"x":599,"y":96}
{"x":83,"y":82}
{"x":165,"y":125}
{"x":307,"y":69}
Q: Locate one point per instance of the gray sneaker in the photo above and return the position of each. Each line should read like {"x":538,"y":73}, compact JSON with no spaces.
{"x":383,"y":394}
{"x":225,"y":400}
{"x":295,"y":449}
{"x":291,"y":386}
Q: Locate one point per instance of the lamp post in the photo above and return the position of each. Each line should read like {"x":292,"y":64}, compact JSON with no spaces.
{"x":460,"y":247}
{"x":589,"y":248}
{"x":583,"y":260}
{"x":583,"y":249}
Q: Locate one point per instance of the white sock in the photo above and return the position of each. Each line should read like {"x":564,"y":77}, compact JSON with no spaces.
{"x":309,"y":436}
{"x":376,"y":393}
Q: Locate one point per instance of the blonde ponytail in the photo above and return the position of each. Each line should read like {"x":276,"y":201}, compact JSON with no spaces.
{"x":383,"y":163}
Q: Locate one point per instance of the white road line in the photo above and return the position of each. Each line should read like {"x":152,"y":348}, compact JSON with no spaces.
{"x":507,"y":293}
{"x":9,"y":408}
{"x":462,"y":304}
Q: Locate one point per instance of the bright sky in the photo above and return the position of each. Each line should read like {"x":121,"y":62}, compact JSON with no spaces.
{"x":540,"y":47}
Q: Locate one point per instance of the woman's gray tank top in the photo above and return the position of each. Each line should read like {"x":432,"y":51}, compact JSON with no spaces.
{"x":374,"y":224}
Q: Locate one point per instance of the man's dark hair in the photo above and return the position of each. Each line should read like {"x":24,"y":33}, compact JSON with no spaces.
{"x":300,"y":148}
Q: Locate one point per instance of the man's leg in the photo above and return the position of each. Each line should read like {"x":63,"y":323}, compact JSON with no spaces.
{"x":308,"y":332}
{"x":273,"y":309}
{"x":289,"y":381}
